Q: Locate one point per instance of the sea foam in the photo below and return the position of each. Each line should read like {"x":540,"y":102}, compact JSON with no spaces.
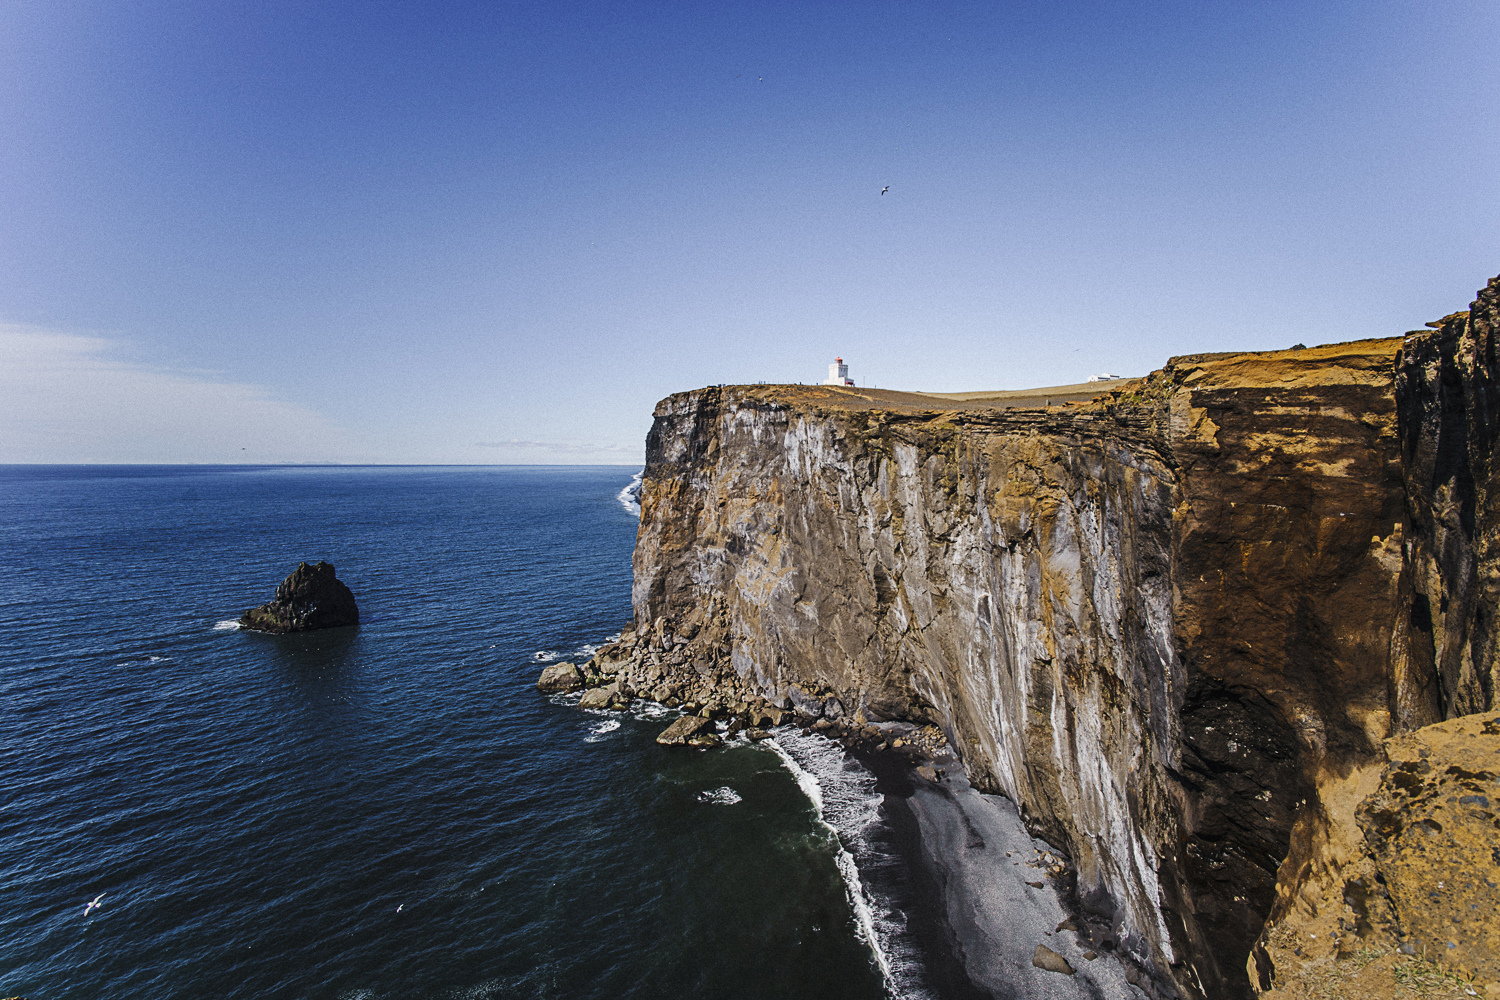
{"x":856,"y":818}
{"x":844,"y":799}
{"x":630,"y":496}
{"x":598,"y":731}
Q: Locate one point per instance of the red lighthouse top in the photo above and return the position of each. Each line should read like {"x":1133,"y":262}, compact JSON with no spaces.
{"x":838,"y":361}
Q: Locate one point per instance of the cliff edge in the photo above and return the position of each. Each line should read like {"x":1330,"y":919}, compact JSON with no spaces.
{"x":1175,"y":622}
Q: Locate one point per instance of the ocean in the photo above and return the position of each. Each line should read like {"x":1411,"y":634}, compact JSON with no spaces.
{"x":393,"y":810}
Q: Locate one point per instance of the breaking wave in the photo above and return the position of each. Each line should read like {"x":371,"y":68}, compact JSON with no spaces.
{"x":630,"y":496}
{"x":844,"y":799}
{"x":599,"y":730}
{"x":724,"y":796}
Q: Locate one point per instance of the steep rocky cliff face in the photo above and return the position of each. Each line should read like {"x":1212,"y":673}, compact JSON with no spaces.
{"x":1174,"y":624}
{"x":1450,"y":418}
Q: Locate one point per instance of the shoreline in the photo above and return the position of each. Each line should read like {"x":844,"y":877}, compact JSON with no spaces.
{"x":982,"y":894}
{"x":983,"y":899}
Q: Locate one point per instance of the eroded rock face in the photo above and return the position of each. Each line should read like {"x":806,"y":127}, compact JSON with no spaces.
{"x":1424,"y":879}
{"x":1176,"y":625}
{"x":1450,"y":419}
{"x":312,"y":597}
{"x":1152,"y":621}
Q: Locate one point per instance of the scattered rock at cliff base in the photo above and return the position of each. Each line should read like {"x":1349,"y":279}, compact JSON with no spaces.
{"x":600,"y":697}
{"x":679,"y":732}
{"x":1431,"y":831}
{"x":1046,"y":958}
{"x":559,"y":677}
{"x":312,"y":597}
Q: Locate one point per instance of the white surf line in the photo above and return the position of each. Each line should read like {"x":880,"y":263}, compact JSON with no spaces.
{"x":630,"y":496}
{"x":864,"y":917}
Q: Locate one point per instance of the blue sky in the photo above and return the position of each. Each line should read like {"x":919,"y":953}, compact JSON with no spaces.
{"x":467,"y":232}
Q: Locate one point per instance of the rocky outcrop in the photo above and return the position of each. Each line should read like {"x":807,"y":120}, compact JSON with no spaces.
{"x":312,"y":597}
{"x":1174,"y":624}
{"x":685,"y":730}
{"x":1422,"y":881}
{"x":1450,"y":419}
{"x":1430,"y":835}
{"x":560,"y":677}
{"x":1046,"y":958}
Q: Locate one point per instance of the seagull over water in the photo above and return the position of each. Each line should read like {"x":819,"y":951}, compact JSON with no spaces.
{"x":885,"y":189}
{"x":94,"y":904}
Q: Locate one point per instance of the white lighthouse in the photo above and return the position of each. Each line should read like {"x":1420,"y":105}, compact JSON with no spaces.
{"x":838,"y":373}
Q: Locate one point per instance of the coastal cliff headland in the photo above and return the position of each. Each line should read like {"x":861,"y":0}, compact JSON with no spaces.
{"x":1189,"y":624}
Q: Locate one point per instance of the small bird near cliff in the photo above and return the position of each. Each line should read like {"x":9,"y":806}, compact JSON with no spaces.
{"x":885,"y":189}
{"x":94,"y":904}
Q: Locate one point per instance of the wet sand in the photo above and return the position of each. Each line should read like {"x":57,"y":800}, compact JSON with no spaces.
{"x":979,"y":920}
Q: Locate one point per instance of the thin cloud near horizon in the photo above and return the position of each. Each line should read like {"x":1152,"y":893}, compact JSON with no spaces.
{"x":562,"y":446}
{"x":70,"y":397}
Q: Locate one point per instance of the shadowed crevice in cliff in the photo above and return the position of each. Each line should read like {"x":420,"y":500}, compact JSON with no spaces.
{"x":1242,"y":781}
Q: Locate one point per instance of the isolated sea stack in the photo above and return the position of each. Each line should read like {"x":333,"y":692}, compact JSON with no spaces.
{"x":311,"y":598}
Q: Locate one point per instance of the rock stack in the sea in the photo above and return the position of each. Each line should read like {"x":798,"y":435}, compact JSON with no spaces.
{"x":312,"y":597}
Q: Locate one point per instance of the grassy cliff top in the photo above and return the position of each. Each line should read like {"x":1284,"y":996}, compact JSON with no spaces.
{"x":1331,"y":363}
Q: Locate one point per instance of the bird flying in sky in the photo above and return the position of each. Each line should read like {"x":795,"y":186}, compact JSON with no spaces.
{"x":885,"y":189}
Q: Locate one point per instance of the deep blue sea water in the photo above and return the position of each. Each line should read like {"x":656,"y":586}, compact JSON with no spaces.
{"x":390,"y":810}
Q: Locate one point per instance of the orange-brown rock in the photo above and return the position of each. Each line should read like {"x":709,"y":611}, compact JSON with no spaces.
{"x":1423,"y":882}
{"x":1175,"y":622}
{"x":1431,"y":830}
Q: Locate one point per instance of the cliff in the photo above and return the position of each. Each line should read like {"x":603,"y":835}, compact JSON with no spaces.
{"x":1175,"y":623}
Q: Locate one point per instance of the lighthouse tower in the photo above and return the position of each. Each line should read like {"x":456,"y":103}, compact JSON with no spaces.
{"x":838,"y":373}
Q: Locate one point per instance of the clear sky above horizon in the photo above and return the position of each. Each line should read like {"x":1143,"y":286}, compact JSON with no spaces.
{"x":500,"y":232}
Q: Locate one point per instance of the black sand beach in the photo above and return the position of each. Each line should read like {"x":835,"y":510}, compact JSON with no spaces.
{"x":971,"y":904}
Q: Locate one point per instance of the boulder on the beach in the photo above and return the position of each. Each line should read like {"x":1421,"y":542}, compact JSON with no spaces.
{"x":677,"y":733}
{"x":599,"y":697}
{"x":804,"y":703}
{"x":756,"y":735}
{"x":704,"y":740}
{"x":926,"y":772}
{"x":766,"y":715}
{"x":559,"y":677}
{"x":312,"y":597}
{"x":609,"y":659}
{"x":1046,"y":958}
